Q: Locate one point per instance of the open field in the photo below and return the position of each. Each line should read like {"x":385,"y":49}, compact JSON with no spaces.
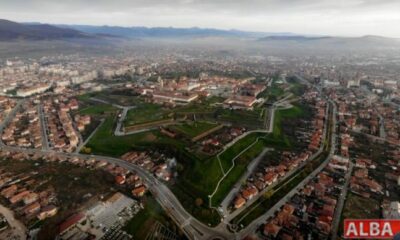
{"x":104,"y":142}
{"x":250,"y":119}
{"x":294,"y":112}
{"x":146,"y":112}
{"x":120,"y":97}
{"x":205,"y":105}
{"x":98,"y":109}
{"x":150,"y":112}
{"x":274,"y":92}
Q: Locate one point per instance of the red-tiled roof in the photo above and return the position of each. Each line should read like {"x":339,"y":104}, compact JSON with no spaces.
{"x":70,"y":222}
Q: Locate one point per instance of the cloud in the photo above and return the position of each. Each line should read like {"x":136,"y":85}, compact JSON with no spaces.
{"x":339,"y":17}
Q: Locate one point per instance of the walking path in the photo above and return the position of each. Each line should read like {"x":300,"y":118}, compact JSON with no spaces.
{"x":79,"y":148}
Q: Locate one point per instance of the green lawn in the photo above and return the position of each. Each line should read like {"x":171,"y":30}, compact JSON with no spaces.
{"x":272,"y":93}
{"x":250,"y":119}
{"x":195,"y":181}
{"x":150,"y":112}
{"x":146,"y":112}
{"x":294,"y":112}
{"x":227,"y":156}
{"x":105,"y":143}
{"x":124,"y":98}
{"x":98,"y":109}
{"x":194,"y":129}
{"x":205,"y":105}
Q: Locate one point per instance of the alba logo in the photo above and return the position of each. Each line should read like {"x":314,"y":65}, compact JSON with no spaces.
{"x":371,"y":228}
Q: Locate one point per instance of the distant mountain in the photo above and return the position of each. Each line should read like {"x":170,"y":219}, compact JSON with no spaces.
{"x":167,"y":32}
{"x":12,"y":30}
{"x":327,"y":41}
{"x":291,"y":38}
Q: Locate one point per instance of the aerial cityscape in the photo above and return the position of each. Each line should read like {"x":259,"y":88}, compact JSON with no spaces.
{"x":153,"y":120}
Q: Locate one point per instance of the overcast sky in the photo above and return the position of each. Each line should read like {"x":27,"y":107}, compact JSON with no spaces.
{"x":326,"y":17}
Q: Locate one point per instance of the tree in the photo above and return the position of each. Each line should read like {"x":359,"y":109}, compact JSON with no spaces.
{"x":268,"y":194}
{"x":179,"y":167}
{"x":86,"y":150}
{"x":199,"y":202}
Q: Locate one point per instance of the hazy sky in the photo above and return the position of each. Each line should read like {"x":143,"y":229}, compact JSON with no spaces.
{"x":330,"y":17}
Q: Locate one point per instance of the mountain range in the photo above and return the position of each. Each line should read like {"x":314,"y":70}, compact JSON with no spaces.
{"x":168,"y":32}
{"x":37,"y":31}
{"x":16,"y":31}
